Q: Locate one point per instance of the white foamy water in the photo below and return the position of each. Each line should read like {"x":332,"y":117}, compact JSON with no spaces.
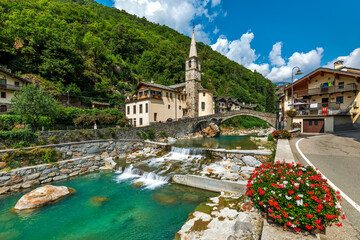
{"x":179,"y":154}
{"x":150,"y":180}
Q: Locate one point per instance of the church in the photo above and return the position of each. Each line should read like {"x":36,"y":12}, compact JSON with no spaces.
{"x":158,"y":103}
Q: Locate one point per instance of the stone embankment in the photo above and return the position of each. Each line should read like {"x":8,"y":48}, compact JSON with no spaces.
{"x":27,"y":177}
{"x":82,"y":158}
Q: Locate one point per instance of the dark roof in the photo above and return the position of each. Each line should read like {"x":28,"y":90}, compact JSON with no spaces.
{"x":249,"y":106}
{"x":179,"y":85}
{"x":100,"y":103}
{"x":14,"y":76}
{"x":204,"y":89}
{"x":325,"y":70}
{"x":156,"y":85}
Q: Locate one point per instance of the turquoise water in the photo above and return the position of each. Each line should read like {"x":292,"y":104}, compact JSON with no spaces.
{"x":127,"y":212}
{"x":227,"y":142}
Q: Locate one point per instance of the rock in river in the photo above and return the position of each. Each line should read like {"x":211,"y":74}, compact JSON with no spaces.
{"x":42,"y":196}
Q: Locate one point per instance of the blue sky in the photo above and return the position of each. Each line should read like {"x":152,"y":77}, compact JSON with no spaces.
{"x":268,"y":36}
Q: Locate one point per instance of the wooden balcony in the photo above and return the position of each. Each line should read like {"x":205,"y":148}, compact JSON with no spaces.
{"x":325,"y":90}
{"x":9,"y":87}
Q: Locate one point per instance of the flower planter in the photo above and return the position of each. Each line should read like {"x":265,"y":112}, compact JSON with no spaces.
{"x":295,"y":197}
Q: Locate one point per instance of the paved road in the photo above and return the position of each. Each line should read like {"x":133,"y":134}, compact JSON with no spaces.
{"x":337,"y":156}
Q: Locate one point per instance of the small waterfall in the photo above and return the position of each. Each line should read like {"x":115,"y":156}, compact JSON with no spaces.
{"x":149,"y":179}
{"x":187,"y":151}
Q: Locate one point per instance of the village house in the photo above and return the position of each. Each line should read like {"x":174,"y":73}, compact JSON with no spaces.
{"x":9,"y":83}
{"x":326,"y":100}
{"x":225,"y":104}
{"x":154,"y":102}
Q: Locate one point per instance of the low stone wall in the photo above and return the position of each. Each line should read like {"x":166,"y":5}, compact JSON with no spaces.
{"x":237,"y":155}
{"x":105,"y":148}
{"x":27,"y":177}
{"x":210,"y":184}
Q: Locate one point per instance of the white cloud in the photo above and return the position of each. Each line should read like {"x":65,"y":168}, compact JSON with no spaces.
{"x":177,"y":14}
{"x":352,"y":60}
{"x":264,"y":68}
{"x":275,"y":55}
{"x":216,"y":30}
{"x":240,"y":51}
{"x":215,"y":3}
{"x":307,"y":62}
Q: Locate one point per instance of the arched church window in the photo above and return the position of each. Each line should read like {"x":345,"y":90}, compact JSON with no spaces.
{"x":189,"y":63}
{"x":197,"y":64}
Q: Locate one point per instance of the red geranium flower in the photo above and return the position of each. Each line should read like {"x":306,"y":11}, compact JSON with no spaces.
{"x":309,"y":215}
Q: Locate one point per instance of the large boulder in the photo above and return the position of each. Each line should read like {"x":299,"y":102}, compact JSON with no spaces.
{"x":42,"y":196}
{"x":211,"y":131}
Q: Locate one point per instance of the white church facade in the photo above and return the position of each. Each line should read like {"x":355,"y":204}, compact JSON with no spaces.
{"x":158,"y":103}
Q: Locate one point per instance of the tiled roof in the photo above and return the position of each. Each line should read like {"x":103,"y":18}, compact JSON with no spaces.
{"x":156,"y":85}
{"x":179,"y":85}
{"x":14,"y":76}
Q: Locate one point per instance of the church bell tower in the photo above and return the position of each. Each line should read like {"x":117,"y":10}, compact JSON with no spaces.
{"x":193,"y":79}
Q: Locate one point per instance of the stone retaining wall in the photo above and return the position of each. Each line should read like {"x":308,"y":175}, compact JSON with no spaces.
{"x":27,"y":177}
{"x":105,"y":148}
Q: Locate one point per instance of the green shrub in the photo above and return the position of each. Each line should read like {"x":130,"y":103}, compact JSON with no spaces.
{"x":270,"y":138}
{"x":16,"y":136}
{"x":35,"y":156}
{"x":151,"y":134}
{"x":144,"y":135}
{"x":163,"y":134}
{"x":247,"y":122}
{"x":8,"y":121}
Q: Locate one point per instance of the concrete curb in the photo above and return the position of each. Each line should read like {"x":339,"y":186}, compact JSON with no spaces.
{"x":210,"y":184}
{"x":283,"y":152}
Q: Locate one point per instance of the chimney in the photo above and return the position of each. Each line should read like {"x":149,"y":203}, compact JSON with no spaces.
{"x":152,"y":81}
{"x":338,"y":64}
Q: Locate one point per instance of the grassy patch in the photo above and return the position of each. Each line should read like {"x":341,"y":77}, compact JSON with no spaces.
{"x":200,"y":225}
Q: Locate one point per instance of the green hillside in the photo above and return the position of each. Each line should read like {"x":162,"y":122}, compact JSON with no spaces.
{"x":95,"y":51}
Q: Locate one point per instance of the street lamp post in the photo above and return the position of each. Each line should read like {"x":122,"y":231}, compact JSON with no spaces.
{"x":298,"y":72}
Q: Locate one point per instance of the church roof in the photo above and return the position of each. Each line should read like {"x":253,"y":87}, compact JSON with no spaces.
{"x":193,"y":51}
{"x":156,"y":85}
{"x":179,"y":85}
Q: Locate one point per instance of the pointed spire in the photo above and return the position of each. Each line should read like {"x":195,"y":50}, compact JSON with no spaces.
{"x":193,"y":51}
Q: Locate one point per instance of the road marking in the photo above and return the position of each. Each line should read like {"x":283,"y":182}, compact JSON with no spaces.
{"x":346,"y":197}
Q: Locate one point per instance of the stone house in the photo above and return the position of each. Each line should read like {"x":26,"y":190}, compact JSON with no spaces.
{"x":225,"y":104}
{"x":9,"y":83}
{"x":326,"y":100}
{"x":154,"y":102}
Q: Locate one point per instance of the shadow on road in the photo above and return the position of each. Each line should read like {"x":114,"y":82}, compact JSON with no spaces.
{"x":354,"y":134}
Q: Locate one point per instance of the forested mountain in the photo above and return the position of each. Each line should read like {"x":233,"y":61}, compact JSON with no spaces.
{"x":92,"y":50}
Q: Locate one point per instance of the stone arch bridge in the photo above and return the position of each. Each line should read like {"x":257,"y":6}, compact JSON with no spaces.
{"x":219,"y":118}
{"x":186,"y":126}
